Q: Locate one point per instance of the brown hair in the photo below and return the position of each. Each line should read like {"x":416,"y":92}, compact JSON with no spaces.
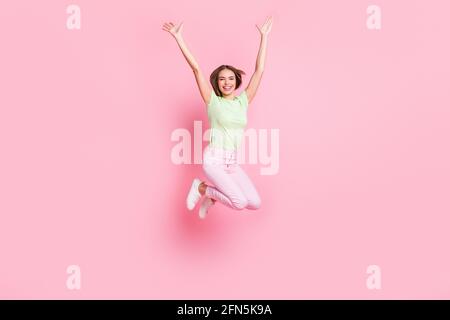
{"x":215,"y":77}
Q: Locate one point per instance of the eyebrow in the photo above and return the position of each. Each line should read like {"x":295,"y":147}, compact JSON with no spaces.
{"x":225,"y":77}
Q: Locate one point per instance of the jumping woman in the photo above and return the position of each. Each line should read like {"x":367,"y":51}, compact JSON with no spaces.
{"x":227,"y":115}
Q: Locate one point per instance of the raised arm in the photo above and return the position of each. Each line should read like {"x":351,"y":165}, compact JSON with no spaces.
{"x":203,"y":85}
{"x":260,"y":60}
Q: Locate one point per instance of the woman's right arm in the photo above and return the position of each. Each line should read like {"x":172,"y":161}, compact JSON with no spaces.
{"x":203,"y":85}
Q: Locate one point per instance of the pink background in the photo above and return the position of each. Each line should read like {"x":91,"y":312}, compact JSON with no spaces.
{"x":87,"y":179}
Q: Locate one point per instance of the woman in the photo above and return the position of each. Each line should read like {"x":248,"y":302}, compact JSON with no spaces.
{"x":227,"y":114}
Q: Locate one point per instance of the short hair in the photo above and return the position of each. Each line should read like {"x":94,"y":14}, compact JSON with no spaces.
{"x":214,"y":78}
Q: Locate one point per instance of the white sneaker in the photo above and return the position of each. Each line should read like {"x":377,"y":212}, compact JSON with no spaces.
{"x":193,"y":195}
{"x":206,"y":203}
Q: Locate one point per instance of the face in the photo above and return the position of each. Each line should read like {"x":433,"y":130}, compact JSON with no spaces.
{"x":226,"y":82}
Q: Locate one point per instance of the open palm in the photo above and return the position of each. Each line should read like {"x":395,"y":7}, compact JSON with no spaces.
{"x":267,"y":26}
{"x":172,"y":29}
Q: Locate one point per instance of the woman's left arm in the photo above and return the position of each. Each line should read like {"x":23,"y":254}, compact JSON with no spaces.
{"x":260,"y":60}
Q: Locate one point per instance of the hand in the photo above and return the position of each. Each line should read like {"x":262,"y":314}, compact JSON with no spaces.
{"x":267,"y":26}
{"x":175,"y":31}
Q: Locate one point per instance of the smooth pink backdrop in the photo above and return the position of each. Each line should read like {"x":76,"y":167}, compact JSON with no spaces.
{"x":87,"y":179}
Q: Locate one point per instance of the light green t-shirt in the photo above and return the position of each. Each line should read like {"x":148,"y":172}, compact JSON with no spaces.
{"x":227,"y":119}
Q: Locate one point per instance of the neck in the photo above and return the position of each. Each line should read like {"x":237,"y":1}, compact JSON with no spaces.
{"x":229,"y":96}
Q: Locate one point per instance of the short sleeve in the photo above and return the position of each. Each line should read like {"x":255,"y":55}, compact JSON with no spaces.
{"x":213,"y":99}
{"x":243,"y":98}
